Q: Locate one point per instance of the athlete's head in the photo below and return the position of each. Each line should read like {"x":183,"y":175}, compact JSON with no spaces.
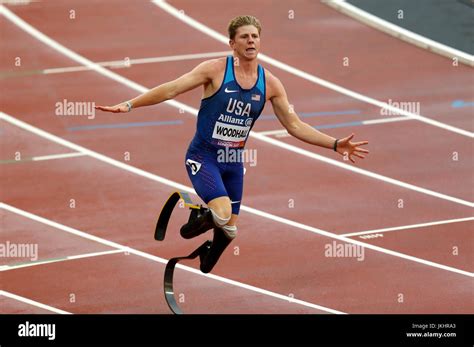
{"x":244,"y":36}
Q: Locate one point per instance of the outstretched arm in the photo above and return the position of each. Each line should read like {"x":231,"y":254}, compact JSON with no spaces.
{"x":303,"y":131}
{"x":198,"y":76}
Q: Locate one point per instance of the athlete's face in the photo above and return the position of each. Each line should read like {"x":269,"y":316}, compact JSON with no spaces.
{"x":246,"y":42}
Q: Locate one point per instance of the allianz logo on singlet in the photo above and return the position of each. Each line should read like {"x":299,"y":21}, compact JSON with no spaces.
{"x":238,"y":128}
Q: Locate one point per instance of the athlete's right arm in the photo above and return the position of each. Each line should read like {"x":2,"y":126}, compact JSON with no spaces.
{"x":200,"y":75}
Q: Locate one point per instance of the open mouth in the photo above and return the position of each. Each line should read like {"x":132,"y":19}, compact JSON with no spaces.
{"x":250,"y":50}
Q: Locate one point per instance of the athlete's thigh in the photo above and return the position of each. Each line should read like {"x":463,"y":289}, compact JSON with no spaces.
{"x":205,"y":175}
{"x":233,"y":179}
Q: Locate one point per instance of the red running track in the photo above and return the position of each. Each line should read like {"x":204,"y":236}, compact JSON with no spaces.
{"x":430,"y":266}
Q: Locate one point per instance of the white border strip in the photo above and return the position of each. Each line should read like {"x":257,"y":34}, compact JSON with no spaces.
{"x":160,"y":260}
{"x":58,"y":260}
{"x":399,"y":32}
{"x":251,"y":210}
{"x":412,"y":226}
{"x":116,"y":64}
{"x":32,"y":302}
{"x":133,"y":85}
{"x":43,"y":157}
{"x":285,"y":67}
{"x":57,"y":156}
{"x":384,"y":120}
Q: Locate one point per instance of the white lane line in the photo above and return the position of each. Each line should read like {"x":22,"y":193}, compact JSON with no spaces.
{"x":284,"y":133}
{"x":277,"y":132}
{"x":126,"y":63}
{"x":385,"y":120}
{"x":133,"y":85}
{"x":82,"y":60}
{"x":88,"y":152}
{"x":412,"y":226}
{"x":16,"y":2}
{"x":58,"y":156}
{"x":32,"y":302}
{"x":160,"y":260}
{"x":285,"y":67}
{"x":363,"y":172}
{"x":57,"y":260}
{"x":399,"y":32}
{"x":42,"y":158}
{"x":182,"y":187}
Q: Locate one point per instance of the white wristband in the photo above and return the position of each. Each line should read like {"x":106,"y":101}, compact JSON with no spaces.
{"x":129,"y":104}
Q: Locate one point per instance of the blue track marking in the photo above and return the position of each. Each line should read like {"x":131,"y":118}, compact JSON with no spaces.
{"x":315,"y":114}
{"x":461,"y":103}
{"x":124,"y":125}
{"x":339,"y":125}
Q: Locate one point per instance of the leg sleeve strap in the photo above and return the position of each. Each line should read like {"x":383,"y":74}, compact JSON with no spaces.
{"x":230,"y":231}
{"x":220,"y":222}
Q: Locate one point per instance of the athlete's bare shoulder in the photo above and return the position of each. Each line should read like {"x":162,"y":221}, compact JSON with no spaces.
{"x":273,"y":85}
{"x":214,"y":70}
{"x":213,"y":67}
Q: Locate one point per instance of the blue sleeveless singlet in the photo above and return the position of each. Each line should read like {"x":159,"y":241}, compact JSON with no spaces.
{"x":224,"y":123}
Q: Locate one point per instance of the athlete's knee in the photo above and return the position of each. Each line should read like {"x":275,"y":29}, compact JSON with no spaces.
{"x":221,"y":216}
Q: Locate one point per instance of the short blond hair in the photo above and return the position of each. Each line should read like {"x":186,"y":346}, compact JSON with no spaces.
{"x":240,"y":21}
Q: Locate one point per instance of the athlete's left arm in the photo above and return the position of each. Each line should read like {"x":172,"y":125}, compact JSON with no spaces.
{"x":303,"y":131}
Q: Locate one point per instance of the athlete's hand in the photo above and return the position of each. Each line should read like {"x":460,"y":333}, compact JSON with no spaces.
{"x":349,"y":149}
{"x":123,"y":107}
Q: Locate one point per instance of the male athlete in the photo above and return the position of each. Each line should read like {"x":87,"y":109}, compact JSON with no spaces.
{"x":235,"y":90}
